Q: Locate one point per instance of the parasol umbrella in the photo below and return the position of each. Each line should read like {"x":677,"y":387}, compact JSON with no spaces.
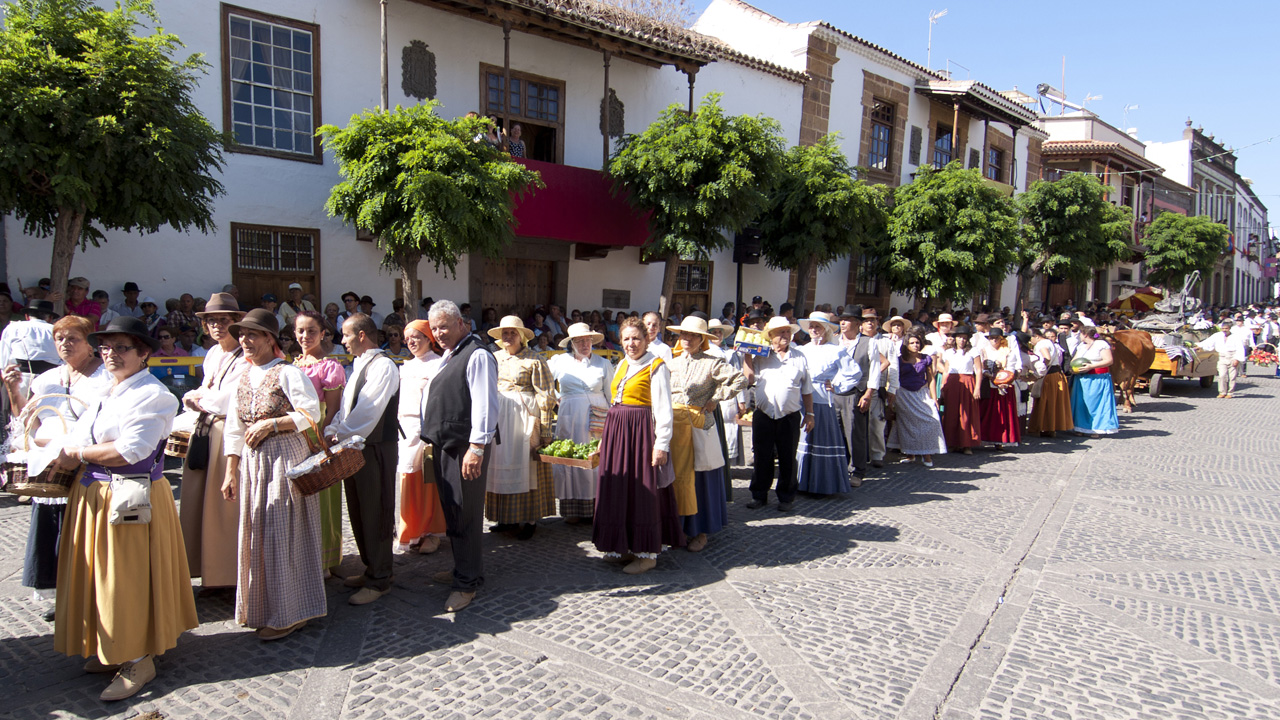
{"x":1139,"y":300}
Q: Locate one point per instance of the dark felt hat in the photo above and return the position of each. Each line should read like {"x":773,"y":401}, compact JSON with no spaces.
{"x":221,"y":303}
{"x":40,"y":308}
{"x":126,"y":325}
{"x":257,"y":319}
{"x":962,"y":330}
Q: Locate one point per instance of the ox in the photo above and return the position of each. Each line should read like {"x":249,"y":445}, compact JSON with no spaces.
{"x":1132,"y":353}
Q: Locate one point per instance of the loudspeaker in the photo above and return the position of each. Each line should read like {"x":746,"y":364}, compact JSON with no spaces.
{"x":746,"y":247}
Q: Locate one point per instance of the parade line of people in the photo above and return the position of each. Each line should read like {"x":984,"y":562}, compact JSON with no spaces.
{"x":451,"y":437}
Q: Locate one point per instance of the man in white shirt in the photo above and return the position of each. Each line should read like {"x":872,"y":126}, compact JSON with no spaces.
{"x":554,"y":320}
{"x":366,"y":307}
{"x":653,"y":327}
{"x":460,"y":422}
{"x":368,"y":410}
{"x":784,"y":404}
{"x":1231,"y":352}
{"x":856,"y":406}
{"x":942,"y":328}
{"x":1243,"y":329}
{"x":130,"y":307}
{"x":27,"y":345}
{"x":108,"y":313}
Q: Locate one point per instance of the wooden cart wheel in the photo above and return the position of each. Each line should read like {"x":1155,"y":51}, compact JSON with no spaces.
{"x":1155,"y":385}
{"x":1206,"y":381}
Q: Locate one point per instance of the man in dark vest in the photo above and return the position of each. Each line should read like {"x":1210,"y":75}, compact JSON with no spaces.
{"x":369,"y":404}
{"x":854,"y":408}
{"x":460,"y":422}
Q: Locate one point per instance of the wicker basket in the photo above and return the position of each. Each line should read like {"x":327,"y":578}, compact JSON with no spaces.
{"x":53,"y":482}
{"x":331,"y":469}
{"x":177,"y":444}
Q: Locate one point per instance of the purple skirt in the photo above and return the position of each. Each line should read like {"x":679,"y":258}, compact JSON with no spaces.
{"x":633,"y":514}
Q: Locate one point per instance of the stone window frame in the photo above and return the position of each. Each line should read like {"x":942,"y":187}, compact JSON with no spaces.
{"x":227,"y":11}
{"x":880,"y":152}
{"x":880,"y":89}
{"x":522,"y":116}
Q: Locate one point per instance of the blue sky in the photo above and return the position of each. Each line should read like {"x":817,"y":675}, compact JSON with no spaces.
{"x":1212,"y":62}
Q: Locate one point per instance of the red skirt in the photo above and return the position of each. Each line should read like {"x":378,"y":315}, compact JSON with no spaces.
{"x":961,"y":414}
{"x":1000,"y":423}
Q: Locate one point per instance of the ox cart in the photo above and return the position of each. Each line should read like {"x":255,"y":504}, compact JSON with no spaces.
{"x":1175,"y":360}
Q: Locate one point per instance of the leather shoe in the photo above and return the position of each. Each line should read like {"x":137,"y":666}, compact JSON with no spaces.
{"x":444,"y":577}
{"x":94,"y":665}
{"x":877,"y":463}
{"x":355,"y":581}
{"x":698,"y":543}
{"x":130,"y":679}
{"x":458,"y":600}
{"x":786,"y":506}
{"x":47,"y":615}
{"x":754,"y":504}
{"x":429,"y":544}
{"x":367,"y":595}
{"x":640,"y":565}
{"x":267,"y":634}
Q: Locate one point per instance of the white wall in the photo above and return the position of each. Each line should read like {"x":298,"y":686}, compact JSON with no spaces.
{"x":1174,"y":157}
{"x":755,"y":33}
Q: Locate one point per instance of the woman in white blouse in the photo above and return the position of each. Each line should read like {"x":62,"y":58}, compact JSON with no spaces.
{"x":584,"y":380}
{"x":961,"y":413}
{"x":126,"y":591}
{"x":421,"y":521}
{"x":281,"y":582}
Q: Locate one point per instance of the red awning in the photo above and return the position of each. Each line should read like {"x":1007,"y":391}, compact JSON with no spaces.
{"x":577,"y":206}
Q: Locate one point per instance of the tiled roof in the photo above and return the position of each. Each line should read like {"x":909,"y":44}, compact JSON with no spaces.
{"x":877,"y":48}
{"x":1095,"y":147}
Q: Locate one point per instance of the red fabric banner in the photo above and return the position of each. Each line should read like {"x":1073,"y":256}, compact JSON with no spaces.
{"x":578,"y":206}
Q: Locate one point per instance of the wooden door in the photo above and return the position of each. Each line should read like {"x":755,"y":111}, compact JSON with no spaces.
{"x":266,"y":259}
{"x":515,"y":286}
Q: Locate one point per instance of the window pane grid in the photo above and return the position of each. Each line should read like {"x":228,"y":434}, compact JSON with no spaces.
{"x":942,"y":146}
{"x":274,"y":250}
{"x":271,"y":88}
{"x":995,"y":164}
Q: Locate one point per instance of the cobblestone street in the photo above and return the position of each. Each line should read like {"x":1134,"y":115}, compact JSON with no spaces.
{"x":1136,"y":576}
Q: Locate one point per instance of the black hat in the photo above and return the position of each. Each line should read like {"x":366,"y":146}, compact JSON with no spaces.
{"x":757,"y":315}
{"x":40,"y":308}
{"x":995,"y":333}
{"x":851,"y":312}
{"x":366,"y":299}
{"x":964,"y":330}
{"x":130,"y":287}
{"x":259,"y":319}
{"x":126,"y":325}
{"x":757,"y":299}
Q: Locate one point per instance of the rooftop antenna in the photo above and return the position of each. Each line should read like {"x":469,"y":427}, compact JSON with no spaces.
{"x":1087,"y":98}
{"x":1127,"y":108}
{"x":933,"y":19}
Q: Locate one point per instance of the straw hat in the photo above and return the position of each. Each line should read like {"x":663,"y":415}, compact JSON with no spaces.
{"x":944,"y":318}
{"x":827,"y":320}
{"x":257,"y":319}
{"x":511,"y":322}
{"x":693,"y":324}
{"x":221,"y":303}
{"x":888,"y":324}
{"x":776,"y":323}
{"x":719,"y":327}
{"x":578,"y":330}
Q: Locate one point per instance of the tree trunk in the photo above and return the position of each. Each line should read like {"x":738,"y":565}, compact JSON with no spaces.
{"x":803,"y":270}
{"x":668,"y":285}
{"x":408,"y":263}
{"x":66,"y":236}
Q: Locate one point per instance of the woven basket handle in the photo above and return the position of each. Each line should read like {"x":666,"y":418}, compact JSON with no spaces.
{"x":319,"y":435}
{"x":31,"y":425}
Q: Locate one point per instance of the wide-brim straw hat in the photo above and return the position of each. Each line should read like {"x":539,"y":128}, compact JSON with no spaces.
{"x":776,"y":323}
{"x":257,"y":319}
{"x":827,"y":320}
{"x":221,"y":303}
{"x":695,"y":325}
{"x":944,"y":317}
{"x":719,"y":327}
{"x":511,"y":322}
{"x":888,"y":324}
{"x":578,"y":330}
{"x":126,"y":325}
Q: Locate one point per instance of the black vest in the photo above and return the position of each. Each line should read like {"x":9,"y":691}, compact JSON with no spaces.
{"x":388,"y":427}
{"x":446,"y":421}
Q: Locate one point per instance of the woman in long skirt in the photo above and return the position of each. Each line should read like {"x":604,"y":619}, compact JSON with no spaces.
{"x":699,"y":381}
{"x":584,"y":379}
{"x":281,"y":581}
{"x":421,"y":522}
{"x":312,"y":332}
{"x":82,"y":376}
{"x":1000,"y":424}
{"x":824,"y":454}
{"x":1093,"y":399}
{"x":1051,"y":411}
{"x":521,"y":489}
{"x":961,"y":366}
{"x":918,"y":430}
{"x":635,"y":503}
{"x":124,"y":590}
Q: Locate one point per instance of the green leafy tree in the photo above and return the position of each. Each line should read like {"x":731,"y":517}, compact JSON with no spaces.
{"x":98,"y":130}
{"x":699,"y":175}
{"x":1178,"y":245}
{"x":819,"y":212}
{"x":949,"y":235}
{"x":424,"y":187}
{"x":1070,"y":230}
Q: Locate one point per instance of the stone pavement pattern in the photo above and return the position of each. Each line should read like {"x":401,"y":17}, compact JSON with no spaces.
{"x":1127,"y":577}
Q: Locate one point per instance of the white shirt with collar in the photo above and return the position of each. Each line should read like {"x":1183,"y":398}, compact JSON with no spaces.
{"x":660,"y":349}
{"x":135,"y":416}
{"x":1226,"y":344}
{"x":482,"y":382}
{"x":875,"y":371}
{"x":28,"y":340}
{"x":121,"y":308}
{"x":659,"y":396}
{"x":221,"y":371}
{"x":296,"y":386}
{"x":359,"y":416}
{"x":781,"y":381}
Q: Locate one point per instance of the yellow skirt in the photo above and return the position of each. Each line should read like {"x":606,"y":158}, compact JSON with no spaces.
{"x":124,"y":591}
{"x":682,"y":458}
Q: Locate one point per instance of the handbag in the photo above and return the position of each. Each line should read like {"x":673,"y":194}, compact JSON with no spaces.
{"x":198,"y":445}
{"x":130,"y":500}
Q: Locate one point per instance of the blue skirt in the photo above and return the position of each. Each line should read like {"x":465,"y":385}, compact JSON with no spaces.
{"x":1093,"y":405}
{"x":824,"y":459}
{"x":713,"y":508}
